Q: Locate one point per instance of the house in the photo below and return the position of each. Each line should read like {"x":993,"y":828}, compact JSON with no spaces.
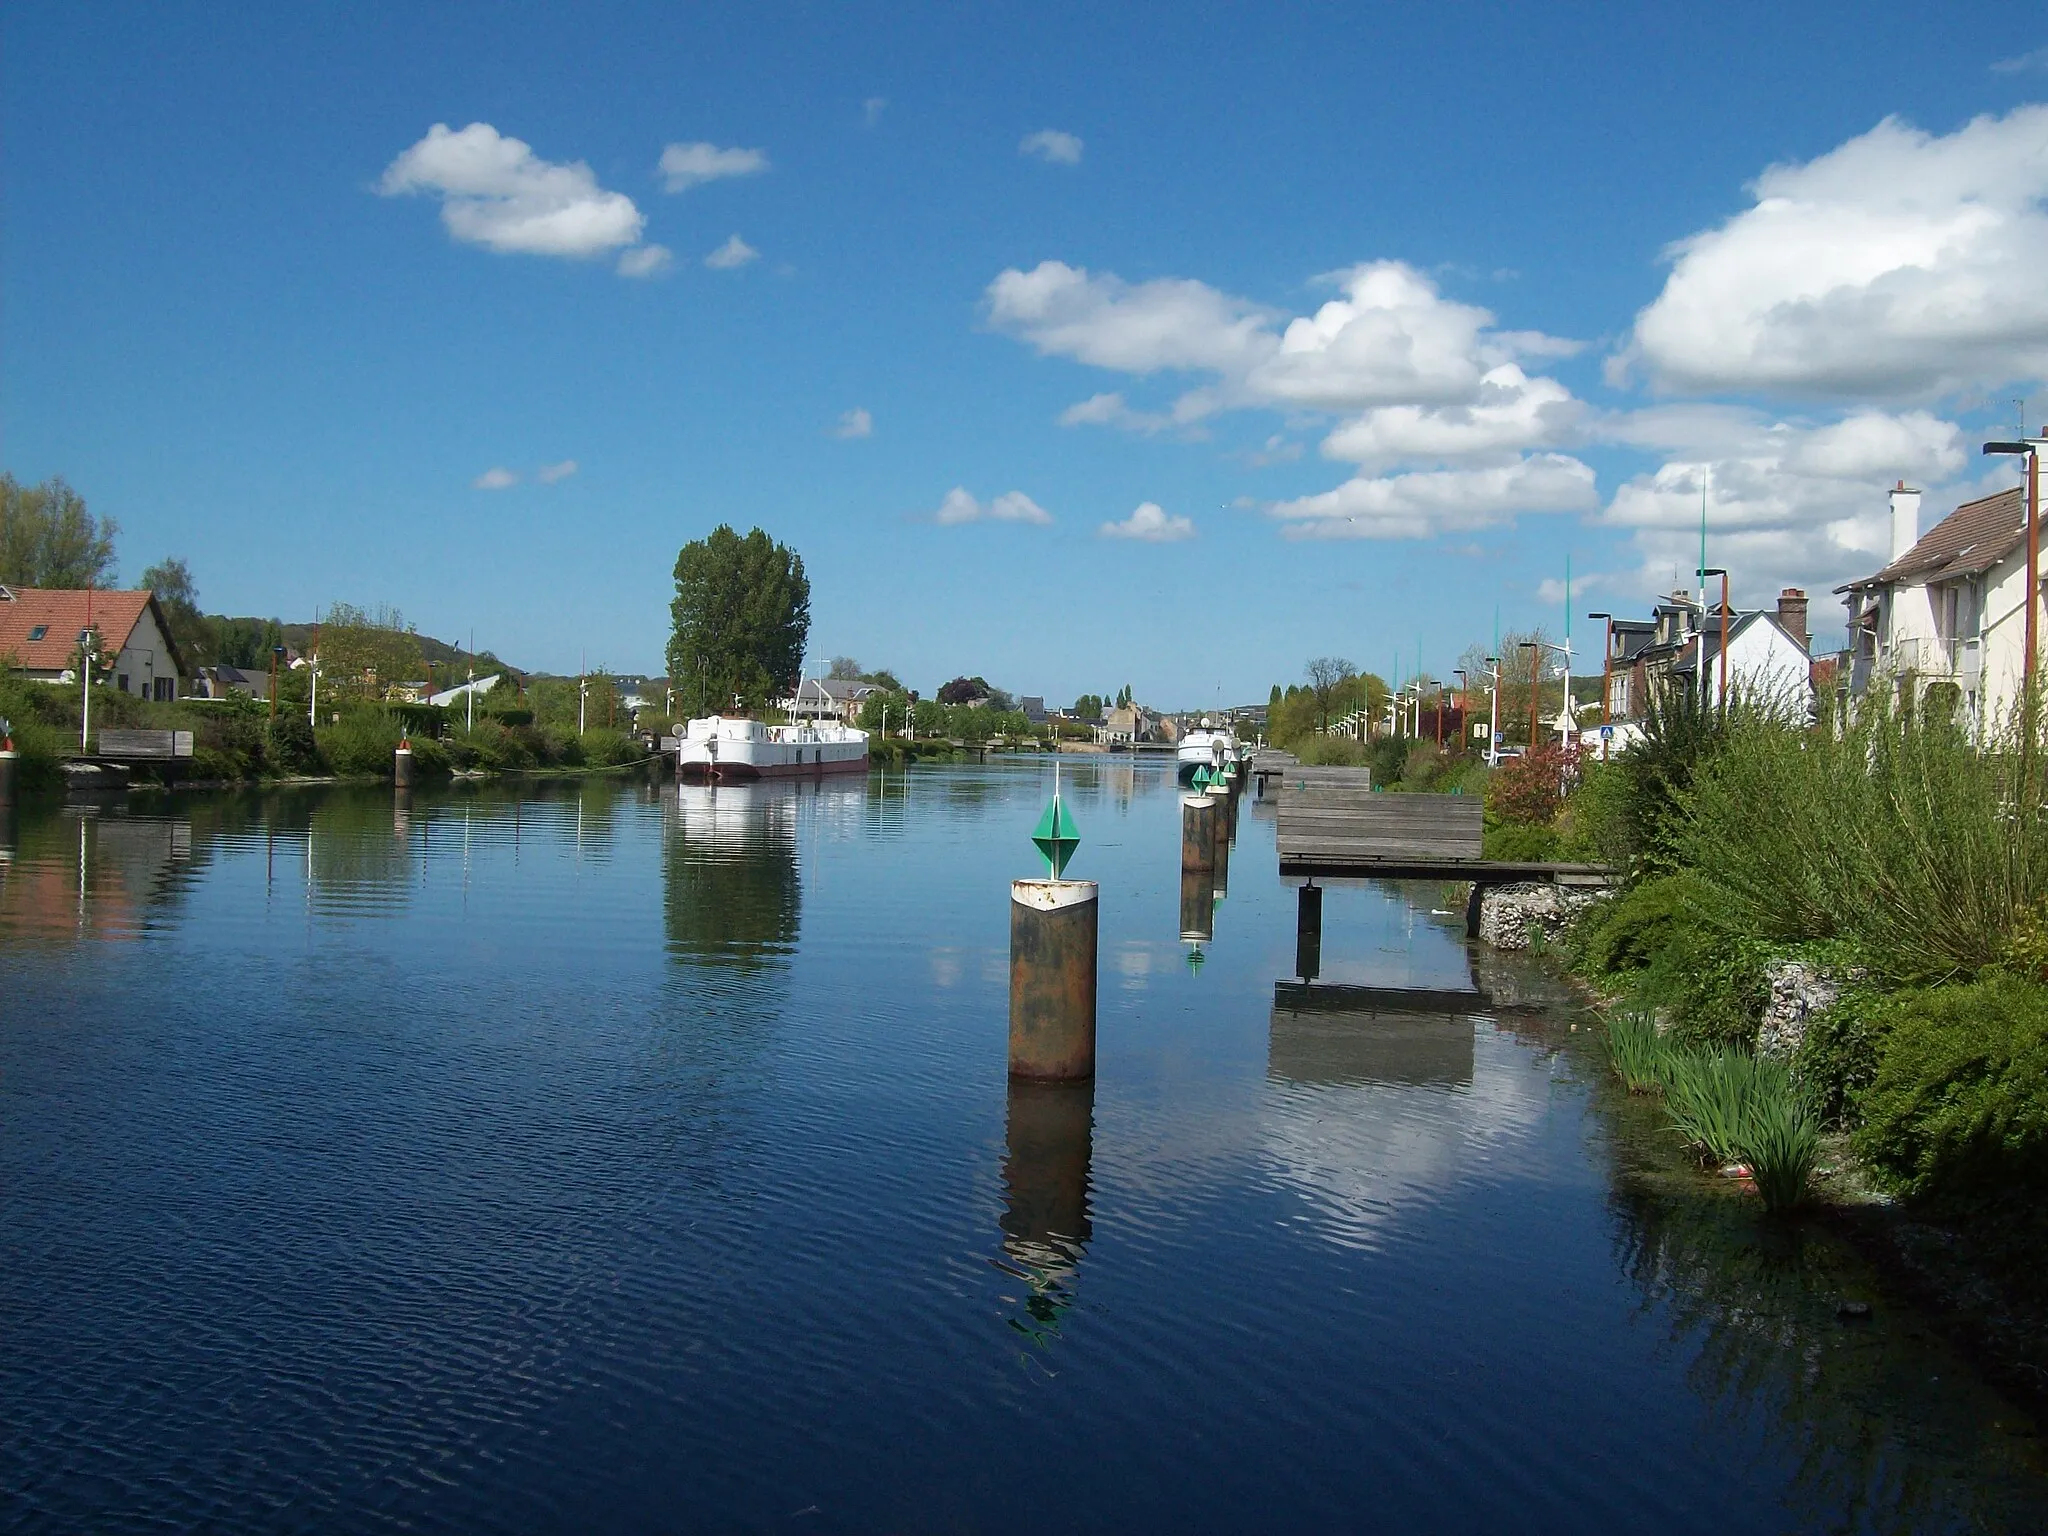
{"x":224,"y":681}
{"x":1127,"y":724}
{"x":479,"y":687}
{"x":1033,"y":706}
{"x":40,"y":629}
{"x":1769,"y":659}
{"x":1949,"y":611}
{"x":829,"y":698}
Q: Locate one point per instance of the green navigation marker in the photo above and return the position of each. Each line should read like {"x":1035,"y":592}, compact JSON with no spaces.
{"x":1201,"y":778}
{"x":1057,"y":837}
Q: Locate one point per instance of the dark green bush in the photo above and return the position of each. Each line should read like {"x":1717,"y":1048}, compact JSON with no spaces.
{"x":290,"y":746}
{"x":362,"y":741}
{"x":1519,"y":844}
{"x":604,"y":748}
{"x":1627,"y":933}
{"x":512,"y":716}
{"x":1839,"y":1053}
{"x":1960,"y":1101}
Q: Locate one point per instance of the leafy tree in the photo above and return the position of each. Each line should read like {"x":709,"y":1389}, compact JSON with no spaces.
{"x":961,"y":689}
{"x":742,"y":612}
{"x":171,"y":581}
{"x":1088,"y":707}
{"x":49,"y":539}
{"x":884,"y":680}
{"x":1327,"y":674}
{"x":846,"y":670}
{"x":1273,"y":700}
{"x":364,"y":652}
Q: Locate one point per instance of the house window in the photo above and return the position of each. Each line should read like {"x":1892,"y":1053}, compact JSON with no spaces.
{"x":166,"y":690}
{"x":39,"y":631}
{"x":122,"y":682}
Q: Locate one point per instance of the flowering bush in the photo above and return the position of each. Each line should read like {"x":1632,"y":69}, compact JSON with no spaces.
{"x":1531,"y":789}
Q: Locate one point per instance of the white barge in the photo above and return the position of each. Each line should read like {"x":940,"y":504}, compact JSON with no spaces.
{"x":731,"y":749}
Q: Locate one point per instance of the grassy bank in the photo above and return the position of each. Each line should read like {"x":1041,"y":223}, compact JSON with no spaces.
{"x":1891,"y":873}
{"x":239,"y":740}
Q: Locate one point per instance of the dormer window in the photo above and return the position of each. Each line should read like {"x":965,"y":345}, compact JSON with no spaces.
{"x":39,"y":631}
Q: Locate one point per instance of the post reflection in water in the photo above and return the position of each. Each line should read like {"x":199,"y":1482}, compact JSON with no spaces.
{"x":1051,"y":1131}
{"x":1197,"y":906}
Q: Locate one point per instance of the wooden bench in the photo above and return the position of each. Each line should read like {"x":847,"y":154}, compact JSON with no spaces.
{"x":1348,"y":824}
{"x":150,"y":746}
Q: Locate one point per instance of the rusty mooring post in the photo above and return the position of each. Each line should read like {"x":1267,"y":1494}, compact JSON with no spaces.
{"x":401,"y":764}
{"x":1052,"y":960}
{"x":1052,"y":979}
{"x":1198,"y":822}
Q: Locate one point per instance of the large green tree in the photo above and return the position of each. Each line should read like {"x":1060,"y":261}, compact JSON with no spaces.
{"x":742,"y":613}
{"x":49,"y":539}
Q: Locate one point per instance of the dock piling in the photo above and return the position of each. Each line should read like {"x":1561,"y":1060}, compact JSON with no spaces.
{"x":1198,"y":823}
{"x":1308,"y":932}
{"x":401,"y":764}
{"x":1052,"y":979}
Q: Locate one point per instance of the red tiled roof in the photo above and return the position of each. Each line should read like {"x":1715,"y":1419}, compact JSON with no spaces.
{"x":1969,"y":541}
{"x":61,"y":614}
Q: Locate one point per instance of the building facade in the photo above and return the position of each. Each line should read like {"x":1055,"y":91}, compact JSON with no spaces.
{"x":40,"y":629}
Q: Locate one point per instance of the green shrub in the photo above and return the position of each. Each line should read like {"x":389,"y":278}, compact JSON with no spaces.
{"x":1628,"y":933}
{"x":1681,"y":733}
{"x":605,"y":748}
{"x":1593,"y":827}
{"x":1339,"y":752}
{"x":1960,"y":1099}
{"x":291,"y":746}
{"x":1530,"y":790}
{"x":1517,"y":844}
{"x":361,"y":742}
{"x":1838,"y":1055}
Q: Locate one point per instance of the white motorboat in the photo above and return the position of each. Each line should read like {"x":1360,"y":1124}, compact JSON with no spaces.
{"x":734,"y":749}
{"x":1210,"y":746}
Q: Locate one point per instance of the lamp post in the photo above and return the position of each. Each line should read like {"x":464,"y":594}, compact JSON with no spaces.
{"x":1715,"y":570}
{"x":1493,"y":712}
{"x":1606,"y":680}
{"x":2031,"y":447}
{"x":86,"y":654}
{"x":1464,"y":705}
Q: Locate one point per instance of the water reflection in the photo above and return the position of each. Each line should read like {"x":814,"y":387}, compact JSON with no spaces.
{"x":1753,"y":1296}
{"x":1050,"y":1142}
{"x":730,"y":891}
{"x":91,"y":871}
{"x":1392,"y":1036}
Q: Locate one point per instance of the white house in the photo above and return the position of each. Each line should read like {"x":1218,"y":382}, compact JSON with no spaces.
{"x":829,"y":698}
{"x":1768,"y":658}
{"x":40,"y":626}
{"x":1949,"y":610}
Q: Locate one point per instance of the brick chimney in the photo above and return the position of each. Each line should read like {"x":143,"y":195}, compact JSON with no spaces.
{"x":1792,"y":615}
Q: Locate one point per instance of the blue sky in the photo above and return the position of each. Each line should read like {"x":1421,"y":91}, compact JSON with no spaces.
{"x":1382,"y":313}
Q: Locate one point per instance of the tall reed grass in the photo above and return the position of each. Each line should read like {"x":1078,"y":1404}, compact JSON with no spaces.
{"x":1893,"y":831}
{"x":1636,"y":1051}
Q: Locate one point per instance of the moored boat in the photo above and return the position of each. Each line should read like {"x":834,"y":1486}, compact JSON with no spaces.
{"x":1211,"y":746}
{"x":734,"y":749}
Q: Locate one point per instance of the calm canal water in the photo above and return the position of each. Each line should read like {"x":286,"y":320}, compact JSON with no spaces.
{"x":632,"y":1158}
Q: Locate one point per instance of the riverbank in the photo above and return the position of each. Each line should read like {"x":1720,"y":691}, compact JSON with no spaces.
{"x":1972,"y":1261}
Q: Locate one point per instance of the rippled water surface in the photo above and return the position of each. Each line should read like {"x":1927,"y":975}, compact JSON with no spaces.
{"x":642,"y":1159}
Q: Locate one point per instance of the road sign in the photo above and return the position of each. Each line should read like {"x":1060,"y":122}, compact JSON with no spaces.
{"x":1607,"y":733}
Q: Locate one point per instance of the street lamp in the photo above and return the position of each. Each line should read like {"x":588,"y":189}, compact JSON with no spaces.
{"x":2031,"y":447}
{"x":1715,"y":570}
{"x":1606,"y":680}
{"x":1464,"y":706}
{"x":1493,"y":712}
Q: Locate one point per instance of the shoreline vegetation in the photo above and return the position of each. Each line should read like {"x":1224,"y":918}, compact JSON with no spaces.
{"x":1889,"y":873}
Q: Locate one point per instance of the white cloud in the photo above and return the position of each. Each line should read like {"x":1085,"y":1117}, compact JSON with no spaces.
{"x":872,"y":109}
{"x":1422,"y":503}
{"x":1167,"y":323}
{"x":645,"y":261}
{"x":1392,"y":339}
{"x":1010,"y":507}
{"x":734,"y":253}
{"x":1051,"y":146}
{"x":497,"y":478}
{"x":554,"y":474}
{"x":1112,"y":410}
{"x":1511,"y":413}
{"x":1788,"y":503}
{"x":1151,"y":524}
{"x":2038,"y":59}
{"x":855,"y":423}
{"x":684,"y":166}
{"x":1898,"y":265}
{"x":495,"y":192}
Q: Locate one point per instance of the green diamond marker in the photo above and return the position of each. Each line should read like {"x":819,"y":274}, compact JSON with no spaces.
{"x":1201,"y":778}
{"x":1057,"y":837}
